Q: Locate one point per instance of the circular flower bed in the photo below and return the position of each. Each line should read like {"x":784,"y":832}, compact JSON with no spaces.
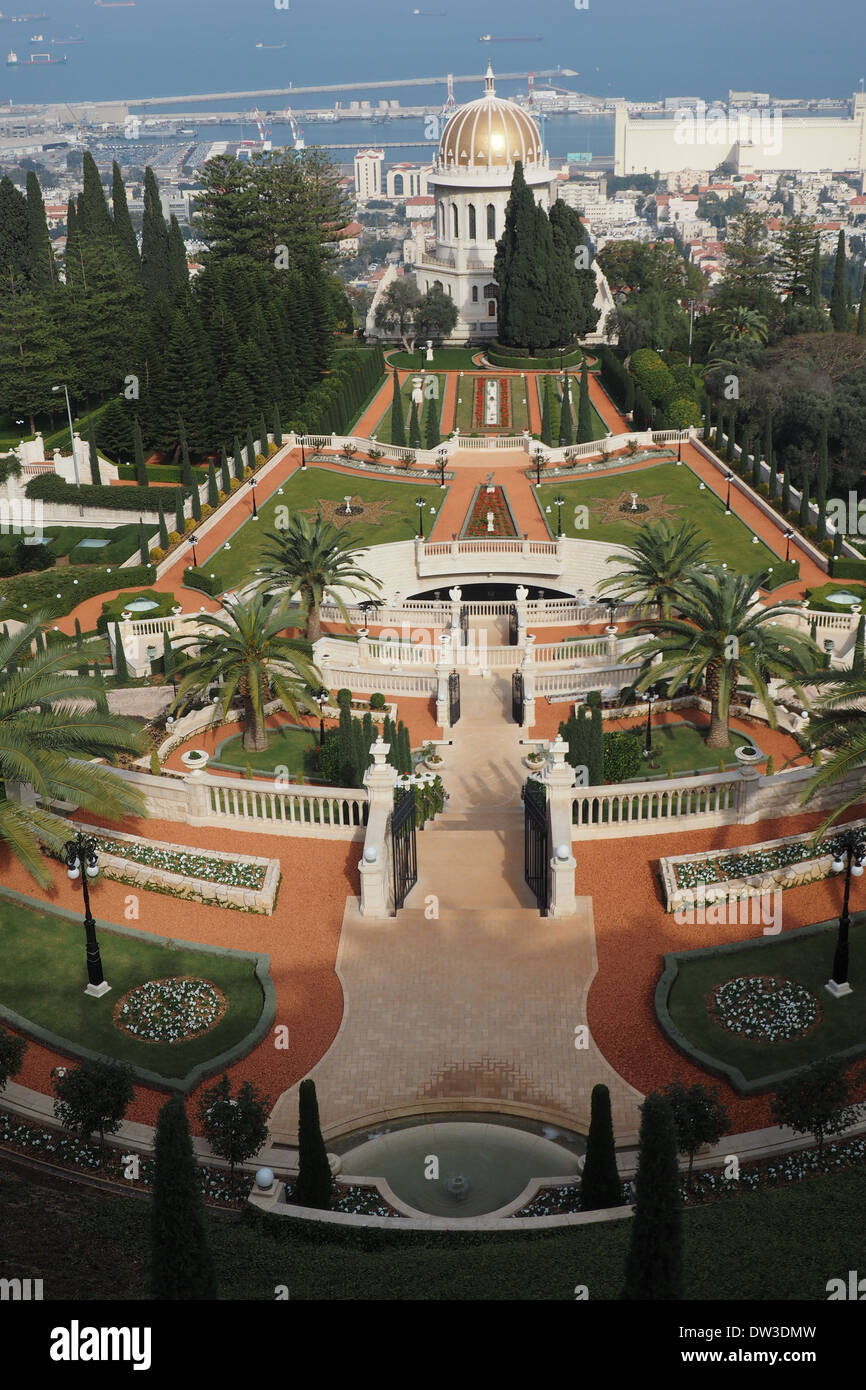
{"x":171,"y":1010}
{"x":766,"y":1008}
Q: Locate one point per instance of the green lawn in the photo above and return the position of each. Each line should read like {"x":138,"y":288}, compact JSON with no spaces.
{"x":518,"y":413}
{"x":681,"y":499}
{"x":599,"y":428}
{"x":745,"y":1249}
{"x":382,"y":429}
{"x":684,"y":748}
{"x":294,"y":748}
{"x":807,"y":959}
{"x":444,"y":360}
{"x":395,"y":517}
{"x":45,"y":972}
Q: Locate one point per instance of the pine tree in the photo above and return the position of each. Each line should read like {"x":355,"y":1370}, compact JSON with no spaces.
{"x":124,"y":231}
{"x":225,"y":475}
{"x":566,"y":435}
{"x":821,"y":482}
{"x":654,"y":1267}
{"x":547,"y":415}
{"x":263,"y":435}
{"x":155,"y":271}
{"x":181,"y":1265}
{"x":14,"y":235}
{"x":398,"y":432}
{"x":94,"y":217}
{"x":178,"y":268}
{"x":314,"y":1183}
{"x":838,"y":306}
{"x":584,"y":408}
{"x":861,"y":312}
{"x":730,"y":451}
{"x":431,"y":423}
{"x":212,"y":489}
{"x":804,"y":505}
{"x":121,"y":669}
{"x":93,"y":453}
{"x":141,"y":477}
{"x":600,"y":1185}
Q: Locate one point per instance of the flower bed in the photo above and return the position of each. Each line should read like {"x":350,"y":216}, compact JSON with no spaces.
{"x":210,"y":868}
{"x":357,"y":1201}
{"x":766,"y":1008}
{"x":66,"y":1151}
{"x":170,"y":1010}
{"x":504,"y":404}
{"x":497,"y":503}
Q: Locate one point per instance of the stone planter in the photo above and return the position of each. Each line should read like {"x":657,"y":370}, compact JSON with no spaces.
{"x":196,"y":757}
{"x":434,"y":765}
{"x":535,"y":764}
{"x":748,"y":753}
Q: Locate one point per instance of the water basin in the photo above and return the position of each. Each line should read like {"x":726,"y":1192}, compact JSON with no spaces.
{"x":843,"y":598}
{"x":141,"y":605}
{"x":92,"y":543}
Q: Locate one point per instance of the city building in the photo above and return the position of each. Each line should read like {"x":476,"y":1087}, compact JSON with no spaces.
{"x":368,"y":174}
{"x":407,"y":180}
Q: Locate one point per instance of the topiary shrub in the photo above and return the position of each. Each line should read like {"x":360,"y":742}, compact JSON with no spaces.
{"x":189,"y":524}
{"x":234,"y":484}
{"x":377,"y":700}
{"x":272,"y":449}
{"x":206,"y":511}
{"x":622,"y":756}
{"x":157,"y":555}
{"x":173,"y":538}
{"x":344,"y":698}
{"x":260,"y":459}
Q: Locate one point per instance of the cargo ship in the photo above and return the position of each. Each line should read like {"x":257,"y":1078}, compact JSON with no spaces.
{"x":511,"y":38}
{"x":114,"y":4}
{"x":36,"y":60}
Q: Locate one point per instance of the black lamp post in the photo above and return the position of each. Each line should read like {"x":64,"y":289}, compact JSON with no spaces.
{"x":559,"y":503}
{"x":849,"y":851}
{"x":192,"y":540}
{"x":730,"y":479}
{"x":82,"y":862}
{"x":789,"y":536}
{"x":679,"y":451}
{"x":442,"y":459}
{"x":561,"y":351}
{"x":321,"y":698}
{"x":539,"y":455}
{"x":651,"y":695}
{"x":255,"y":508}
{"x":420,"y":503}
{"x":303,"y":456}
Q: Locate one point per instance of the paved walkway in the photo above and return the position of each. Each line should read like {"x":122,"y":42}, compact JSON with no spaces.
{"x":468,"y":998}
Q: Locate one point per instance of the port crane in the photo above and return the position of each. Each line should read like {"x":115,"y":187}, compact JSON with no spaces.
{"x":297,"y":133}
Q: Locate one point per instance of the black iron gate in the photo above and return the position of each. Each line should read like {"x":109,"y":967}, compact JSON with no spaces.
{"x":453,"y":698}
{"x":536,"y":854}
{"x":512,"y":625}
{"x":517,"y":697}
{"x":464,"y":626}
{"x":405,"y":857}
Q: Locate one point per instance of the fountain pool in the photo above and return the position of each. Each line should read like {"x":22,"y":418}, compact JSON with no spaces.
{"x":141,"y":605}
{"x":482,"y":1164}
{"x":844,"y":598}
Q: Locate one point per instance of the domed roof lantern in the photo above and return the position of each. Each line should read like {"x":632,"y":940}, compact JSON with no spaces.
{"x":489,"y":88}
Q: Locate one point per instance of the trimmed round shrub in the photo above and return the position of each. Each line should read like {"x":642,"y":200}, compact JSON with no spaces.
{"x":189,"y":524}
{"x":173,"y":538}
{"x":156,"y":555}
{"x":234,"y":484}
{"x":681,"y":413}
{"x":377,"y":700}
{"x":272,"y":449}
{"x":206,"y":511}
{"x":344,"y":697}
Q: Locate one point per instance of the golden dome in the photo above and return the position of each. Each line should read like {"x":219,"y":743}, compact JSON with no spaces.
{"x":491,"y":132}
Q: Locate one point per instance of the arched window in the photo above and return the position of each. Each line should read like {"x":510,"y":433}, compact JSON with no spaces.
{"x":455,"y":226}
{"x":491,"y":309}
{"x":398,"y":186}
{"x":441,"y":219}
{"x":471,"y":221}
{"x":474,"y":294}
{"x":491,"y":222}
{"x":491,"y":290}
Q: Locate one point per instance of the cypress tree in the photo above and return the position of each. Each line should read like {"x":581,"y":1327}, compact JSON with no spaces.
{"x":314,"y":1182}
{"x":94,"y":217}
{"x":155,"y":272}
{"x":225,"y":475}
{"x":121,"y":670}
{"x":398,"y":431}
{"x":414,"y":428}
{"x":141,"y":477}
{"x":595,"y":760}
{"x":163,"y":529}
{"x":179,"y":520}
{"x":730,"y":454}
{"x":344,"y":734}
{"x":838,"y":307}
{"x":212,"y":489}
{"x":181,"y":1265}
{"x":837,"y":544}
{"x":143,"y":547}
{"x":815,"y":298}
{"x":600,"y":1185}
{"x":720,"y":427}
{"x":167,"y":654}
{"x":186,"y":477}
{"x":359,"y":754}
{"x":94,"y":456}
{"x":195,"y":500}
{"x":178,"y":268}
{"x":40,"y":253}
{"x":822,"y":481}
{"x":654,"y":1267}
{"x":858,"y":658}
{"x":238,"y":461}
{"x":804,"y":505}
{"x":124,"y":231}
{"x":431,"y":423}
{"x":861,"y":312}
{"x":100,"y":699}
{"x":547,"y":415}
{"x":584,"y":408}
{"x":251,"y":448}
{"x":566,"y":435}
{"x":263,"y":435}
{"x":278,"y":429}
{"x":785,"y":502}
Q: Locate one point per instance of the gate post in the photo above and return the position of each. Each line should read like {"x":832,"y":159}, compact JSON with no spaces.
{"x":379,"y":779}
{"x":527,"y":667}
{"x":521,"y":594}
{"x":443,"y":666}
{"x":560,"y":780}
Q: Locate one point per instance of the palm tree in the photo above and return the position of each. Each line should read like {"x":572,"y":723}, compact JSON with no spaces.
{"x":720,"y":634}
{"x":243,"y":648}
{"x":50,"y":726}
{"x":312,"y":558}
{"x":659,"y":559}
{"x":739,"y":325}
{"x":838,"y":725}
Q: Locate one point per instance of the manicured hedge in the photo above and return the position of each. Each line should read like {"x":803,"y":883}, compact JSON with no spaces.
{"x":516,"y":358}
{"x":844,"y":567}
{"x":52,"y":488}
{"x":200,"y":579}
{"x":112,"y":609}
{"x":39,"y":591}
{"x":122,"y":544}
{"x":616,"y":380}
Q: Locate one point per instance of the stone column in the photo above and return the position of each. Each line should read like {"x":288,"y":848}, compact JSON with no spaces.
{"x":611,"y":641}
{"x":443,"y":667}
{"x":748,"y":790}
{"x":527,"y":667}
{"x":363,"y":650}
{"x":559,"y":780}
{"x":197,"y":800}
{"x":379,"y":779}
{"x":521,"y":594}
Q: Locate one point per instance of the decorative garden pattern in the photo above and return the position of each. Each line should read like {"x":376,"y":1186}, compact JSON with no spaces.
{"x":495,"y":502}
{"x":765,"y":1008}
{"x":171,"y":1010}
